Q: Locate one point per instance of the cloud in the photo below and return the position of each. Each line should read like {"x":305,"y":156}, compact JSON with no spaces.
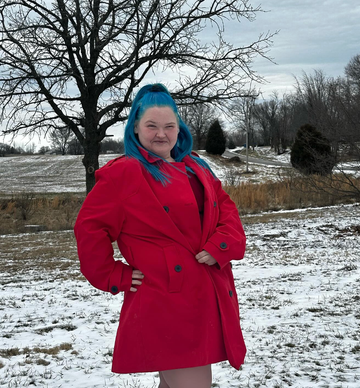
{"x":312,"y":35}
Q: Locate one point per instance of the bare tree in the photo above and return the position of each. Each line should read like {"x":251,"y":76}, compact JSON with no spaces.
{"x":199,"y":117}
{"x":60,"y":139}
{"x":77,"y":63}
{"x":266,"y":115}
{"x":352,"y":72}
{"x":242,"y":114}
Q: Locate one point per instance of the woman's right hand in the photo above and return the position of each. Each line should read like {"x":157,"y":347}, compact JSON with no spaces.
{"x":137,"y":276}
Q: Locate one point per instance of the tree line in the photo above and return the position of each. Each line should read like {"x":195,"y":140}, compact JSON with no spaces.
{"x":331,"y":105}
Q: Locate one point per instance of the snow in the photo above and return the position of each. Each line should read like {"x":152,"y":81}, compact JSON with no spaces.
{"x":65,"y":173}
{"x":298,"y":288}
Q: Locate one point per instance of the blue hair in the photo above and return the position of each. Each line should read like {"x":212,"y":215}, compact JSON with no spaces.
{"x":147,"y":97}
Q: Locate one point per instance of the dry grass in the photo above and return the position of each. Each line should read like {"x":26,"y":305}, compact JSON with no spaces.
{"x":53,"y":351}
{"x":52,"y":257}
{"x":30,"y":212}
{"x":293,"y":193}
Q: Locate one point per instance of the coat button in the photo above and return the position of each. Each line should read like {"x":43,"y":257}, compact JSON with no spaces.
{"x":230,"y":293}
{"x":166,"y":209}
{"x":114,"y":289}
{"x":215,"y":203}
{"x":223,"y":245}
{"x":178,"y":268}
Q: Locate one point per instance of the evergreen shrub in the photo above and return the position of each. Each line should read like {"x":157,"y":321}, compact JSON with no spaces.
{"x":311,"y":152}
{"x":215,"y":141}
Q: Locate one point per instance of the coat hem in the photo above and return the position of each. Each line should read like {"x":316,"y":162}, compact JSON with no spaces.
{"x":170,"y":367}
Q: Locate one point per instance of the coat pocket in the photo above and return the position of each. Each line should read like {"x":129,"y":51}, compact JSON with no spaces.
{"x":175,"y":268}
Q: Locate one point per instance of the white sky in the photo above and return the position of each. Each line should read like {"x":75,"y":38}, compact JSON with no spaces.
{"x":313,"y":35}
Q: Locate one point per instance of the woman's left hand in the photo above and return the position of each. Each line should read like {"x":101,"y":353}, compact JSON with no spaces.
{"x":205,"y":258}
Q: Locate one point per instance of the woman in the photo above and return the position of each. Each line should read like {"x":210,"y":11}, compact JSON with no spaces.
{"x":178,"y":231}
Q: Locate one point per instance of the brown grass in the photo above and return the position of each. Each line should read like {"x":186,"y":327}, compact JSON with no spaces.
{"x":7,"y":353}
{"x":22,"y":211}
{"x":27,"y":212}
{"x":293,"y":193}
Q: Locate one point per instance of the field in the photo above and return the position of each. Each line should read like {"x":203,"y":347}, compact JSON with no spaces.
{"x":298,"y":287}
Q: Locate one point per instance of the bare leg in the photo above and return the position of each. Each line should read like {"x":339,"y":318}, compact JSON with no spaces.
{"x":199,"y":377}
{"x":163,"y":383}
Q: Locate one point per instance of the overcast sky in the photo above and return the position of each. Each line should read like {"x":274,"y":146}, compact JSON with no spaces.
{"x":312,"y":35}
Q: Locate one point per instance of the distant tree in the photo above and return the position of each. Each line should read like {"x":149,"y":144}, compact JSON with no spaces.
{"x":78,"y":63}
{"x":274,"y":120}
{"x":75,"y":148}
{"x":60,"y":139}
{"x":242,"y":117}
{"x":43,"y":150}
{"x":198,"y":117}
{"x":112,"y":145}
{"x":216,"y":140}
{"x":236,"y":137}
{"x":30,"y":148}
{"x":311,"y":152}
{"x":3,"y":149}
{"x":231,"y":143}
{"x":352,"y":72}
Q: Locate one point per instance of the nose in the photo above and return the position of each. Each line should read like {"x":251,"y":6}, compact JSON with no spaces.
{"x":160,"y":132}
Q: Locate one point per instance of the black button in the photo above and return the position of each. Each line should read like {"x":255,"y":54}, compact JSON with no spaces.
{"x":230,"y":293}
{"x":223,"y":245}
{"x":215,"y":203}
{"x":114,"y":289}
{"x":178,"y":268}
{"x":166,"y":209}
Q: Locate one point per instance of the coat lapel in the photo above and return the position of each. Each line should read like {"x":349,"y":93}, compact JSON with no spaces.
{"x":209,"y":198}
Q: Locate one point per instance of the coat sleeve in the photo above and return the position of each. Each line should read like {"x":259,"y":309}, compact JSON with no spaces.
{"x":98,"y":224}
{"x":228,"y":240}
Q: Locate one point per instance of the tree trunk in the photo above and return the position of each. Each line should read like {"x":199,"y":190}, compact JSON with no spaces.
{"x":91,"y":162}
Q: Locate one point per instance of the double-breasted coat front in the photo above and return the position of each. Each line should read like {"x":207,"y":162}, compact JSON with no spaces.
{"x":185,"y":314}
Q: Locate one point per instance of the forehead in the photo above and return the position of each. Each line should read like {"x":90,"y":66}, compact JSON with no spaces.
{"x":159,"y":113}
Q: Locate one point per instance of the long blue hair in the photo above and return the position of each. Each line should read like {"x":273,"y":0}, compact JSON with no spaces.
{"x":147,"y":97}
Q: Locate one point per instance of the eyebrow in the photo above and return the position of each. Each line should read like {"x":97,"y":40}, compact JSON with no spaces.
{"x":154,"y":122}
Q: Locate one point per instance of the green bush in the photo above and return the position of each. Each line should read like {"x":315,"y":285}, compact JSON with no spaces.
{"x":311,"y":152}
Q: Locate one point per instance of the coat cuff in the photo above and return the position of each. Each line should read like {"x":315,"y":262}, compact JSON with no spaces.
{"x":121,"y":278}
{"x":224,"y":249}
{"x":220,"y":254}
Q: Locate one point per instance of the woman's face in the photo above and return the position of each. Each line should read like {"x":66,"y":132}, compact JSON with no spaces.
{"x":158,"y":130}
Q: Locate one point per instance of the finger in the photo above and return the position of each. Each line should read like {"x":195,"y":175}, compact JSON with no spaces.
{"x":204,"y":259}
{"x":211,"y":261}
{"x":200,"y":255}
{"x":137,"y":275}
{"x":133,"y":289}
{"x":136,"y":282}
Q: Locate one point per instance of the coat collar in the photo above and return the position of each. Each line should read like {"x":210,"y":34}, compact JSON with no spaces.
{"x":149,"y":157}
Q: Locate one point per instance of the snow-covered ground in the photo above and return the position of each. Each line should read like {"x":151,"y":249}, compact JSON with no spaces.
{"x":65,"y":173}
{"x":299,"y":292}
{"x":298,"y":287}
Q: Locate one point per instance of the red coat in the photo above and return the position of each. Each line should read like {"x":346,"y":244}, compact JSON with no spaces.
{"x":185,"y":314}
